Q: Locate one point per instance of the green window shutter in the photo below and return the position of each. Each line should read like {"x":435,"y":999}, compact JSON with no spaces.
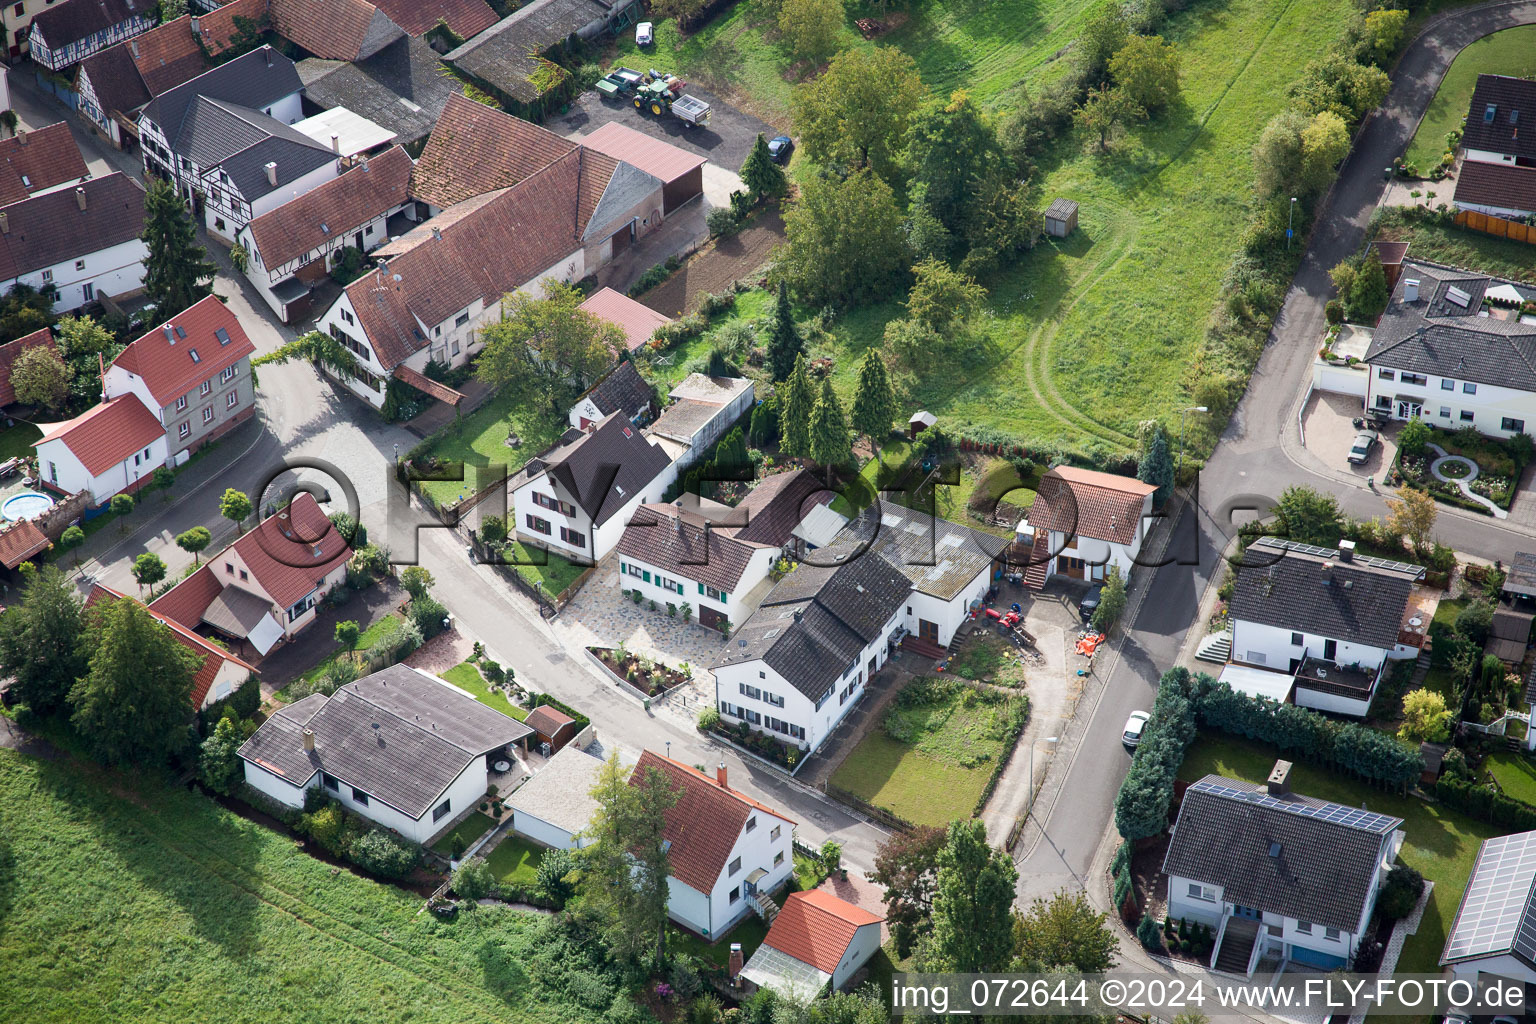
{"x":623,"y":569}
{"x":647,"y":575}
{"x":725,"y":598}
{"x":701,"y":588}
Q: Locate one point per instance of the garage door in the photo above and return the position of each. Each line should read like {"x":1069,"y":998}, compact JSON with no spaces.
{"x":680,"y":190}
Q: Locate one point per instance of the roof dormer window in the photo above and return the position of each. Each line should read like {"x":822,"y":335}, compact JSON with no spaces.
{"x":1489,"y":112}
{"x":222,"y":335}
{"x":195,"y":357}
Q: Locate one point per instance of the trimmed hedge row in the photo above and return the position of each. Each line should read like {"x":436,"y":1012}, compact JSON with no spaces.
{"x":1486,"y":804}
{"x":1141,"y":808}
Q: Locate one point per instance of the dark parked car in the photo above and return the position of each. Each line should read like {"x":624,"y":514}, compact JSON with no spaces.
{"x":779,"y":148}
{"x":1088,"y":605}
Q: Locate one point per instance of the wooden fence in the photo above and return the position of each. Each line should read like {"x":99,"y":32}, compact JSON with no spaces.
{"x":1497,"y":226}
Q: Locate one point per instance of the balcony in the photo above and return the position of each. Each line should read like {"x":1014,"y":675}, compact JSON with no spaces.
{"x":1349,"y":681}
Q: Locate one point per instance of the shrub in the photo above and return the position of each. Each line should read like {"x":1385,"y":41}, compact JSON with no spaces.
{"x":1334,"y":311}
{"x":721,"y":221}
{"x":1141,"y":807}
{"x":1150,"y":934}
{"x":474,"y":881}
{"x":428,"y":614}
{"x":383,"y":854}
{"x":709,"y":718}
{"x":554,"y":876}
{"x":1400,"y":892}
{"x":326,"y":826}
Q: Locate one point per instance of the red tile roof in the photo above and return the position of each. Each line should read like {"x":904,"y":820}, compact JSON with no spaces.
{"x":548,"y":721}
{"x":164,"y":356}
{"x":465,"y":17}
{"x":330,"y":29}
{"x":168,"y":55}
{"x":38,"y":159}
{"x":281,"y":552}
{"x":475,"y":149}
{"x":652,"y":155}
{"x":8,"y":353}
{"x":336,"y":208}
{"x":214,"y":657}
{"x":20,"y":542}
{"x":218,"y":28}
{"x":188,"y":600}
{"x":704,"y":824}
{"x":638,"y":321}
{"x":427,"y":386}
{"x":1498,"y":185}
{"x":1087,"y":503}
{"x":816,"y":927}
{"x":107,"y":433}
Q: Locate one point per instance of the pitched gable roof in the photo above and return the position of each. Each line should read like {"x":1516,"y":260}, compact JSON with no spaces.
{"x":8,"y":353}
{"x":1323,"y":871}
{"x":637,"y":320}
{"x":704,"y":824}
{"x":465,"y":18}
{"x":31,"y":161}
{"x":778,"y":504}
{"x":20,"y":541}
{"x":1514,"y":111}
{"x":816,"y":927}
{"x":256,"y":80}
{"x":669,"y":538}
{"x":213,"y":656}
{"x":1502,"y":186}
{"x":403,"y":87}
{"x":506,"y":53}
{"x":334,"y":29}
{"x":292,"y":549}
{"x":75,"y":20}
{"x":939,"y":557}
{"x":1087,"y":503}
{"x":548,"y":721}
{"x":240,"y":141}
{"x":114,"y":80}
{"x":1286,"y":586}
{"x":1497,"y":915}
{"x":604,"y":469}
{"x":107,"y":433}
{"x":218,"y":27}
{"x":167,"y":55}
{"x":650,"y":154}
{"x":623,"y":390}
{"x":186,"y":602}
{"x":194,"y":345}
{"x":342,"y":204}
{"x":475,"y":149}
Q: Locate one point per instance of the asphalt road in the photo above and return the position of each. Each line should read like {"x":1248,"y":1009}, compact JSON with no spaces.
{"x":1258,"y":456}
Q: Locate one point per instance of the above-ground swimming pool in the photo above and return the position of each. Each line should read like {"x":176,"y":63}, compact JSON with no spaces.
{"x":26,"y":505}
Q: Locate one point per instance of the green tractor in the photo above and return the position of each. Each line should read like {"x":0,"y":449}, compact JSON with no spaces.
{"x":662,"y":93}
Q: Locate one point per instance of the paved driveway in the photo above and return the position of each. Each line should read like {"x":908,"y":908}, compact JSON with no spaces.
{"x":1330,"y":431}
{"x":725,"y":140}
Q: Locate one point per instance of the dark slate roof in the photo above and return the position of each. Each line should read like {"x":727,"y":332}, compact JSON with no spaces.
{"x":51,"y":228}
{"x":403,"y":87}
{"x":398,"y":735}
{"x":80,"y":19}
{"x":605,"y":468}
{"x":1530,"y":686}
{"x":1279,"y":585}
{"x":1323,"y":871}
{"x":503,"y":54}
{"x":256,"y":80}
{"x":778,"y":504}
{"x":1502,"y":186}
{"x":941,"y":558}
{"x":623,"y":390}
{"x":1434,"y":335}
{"x":241,"y":141}
{"x":818,"y":619}
{"x":1510,"y":131}
{"x":1520,"y":572}
{"x":115,"y":79}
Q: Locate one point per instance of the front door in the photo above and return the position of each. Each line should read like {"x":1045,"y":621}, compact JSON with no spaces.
{"x":1070,"y":567}
{"x":709,"y":618}
{"x":928,"y":631}
{"x":1408,"y":410}
{"x":1246,"y":913}
{"x":1330,"y":650}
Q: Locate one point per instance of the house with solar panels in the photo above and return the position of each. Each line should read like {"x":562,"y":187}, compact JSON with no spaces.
{"x":1495,"y":928}
{"x":1280,"y":878}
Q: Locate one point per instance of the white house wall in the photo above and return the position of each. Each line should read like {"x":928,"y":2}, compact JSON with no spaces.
{"x":1256,"y":643}
{"x":279,"y":789}
{"x":1506,"y":967}
{"x":544,"y":833}
{"x":228,"y":679}
{"x":866,"y":942}
{"x":1182,"y":905}
{"x":736,"y":609}
{"x":1340,"y":380}
{"x":59,"y":467}
{"x":756,"y":850}
{"x":947,"y":615}
{"x":115,"y":270}
{"x":1331,"y":702}
{"x":1443,"y":407}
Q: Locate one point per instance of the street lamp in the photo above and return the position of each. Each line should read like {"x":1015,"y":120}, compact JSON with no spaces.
{"x":1289,"y":223}
{"x":1182,"y":414}
{"x":397,"y":453}
{"x":1028,"y":810}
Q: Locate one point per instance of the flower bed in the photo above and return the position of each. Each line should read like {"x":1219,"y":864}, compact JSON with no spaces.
{"x":760,"y":743}
{"x":1500,"y":462}
{"x":647,"y":676}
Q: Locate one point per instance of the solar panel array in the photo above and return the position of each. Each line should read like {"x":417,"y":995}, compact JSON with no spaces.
{"x":1349,"y":817}
{"x":1496,"y":913}
{"x":1333,"y":554}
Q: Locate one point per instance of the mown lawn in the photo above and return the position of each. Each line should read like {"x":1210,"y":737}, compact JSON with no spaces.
{"x":479,"y":443}
{"x":750,"y":933}
{"x":1510,"y":52}
{"x":1458,"y":247}
{"x":936,"y":772}
{"x":1439,"y":843}
{"x":466,"y":676}
{"x":16,"y":442}
{"x":470,"y":829}
{"x":1515,"y":774}
{"x":516,"y":861}
{"x":125,"y":900}
{"x":543,"y":567}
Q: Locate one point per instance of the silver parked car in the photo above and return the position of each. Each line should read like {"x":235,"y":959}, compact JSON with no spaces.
{"x":1365,"y":443}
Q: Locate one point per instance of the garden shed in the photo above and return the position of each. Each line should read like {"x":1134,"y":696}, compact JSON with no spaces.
{"x":1061,"y":218}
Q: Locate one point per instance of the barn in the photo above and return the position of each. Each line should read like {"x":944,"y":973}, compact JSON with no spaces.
{"x":681,"y":171}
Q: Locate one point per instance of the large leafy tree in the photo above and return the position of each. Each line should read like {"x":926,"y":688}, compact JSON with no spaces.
{"x":874,"y":400}
{"x":194,"y":541}
{"x":906,"y":866}
{"x":133,"y":704}
{"x":40,"y":641}
{"x":856,"y":114}
{"x":1064,"y":932}
{"x":624,"y":871}
{"x":1412,"y":514}
{"x":1308,"y":515}
{"x":177,"y":271}
{"x":829,"y":429}
{"x":1102,"y":36}
{"x":1425,"y":717}
{"x":811,"y":27}
{"x":784,"y":341}
{"x":219,"y":766}
{"x":952,"y":148}
{"x":39,"y":377}
{"x":799,"y":401}
{"x":83,"y":336}
{"x":943,"y":299}
{"x":542,"y":347}
{"x":1148,"y":70}
{"x":235,"y":506}
{"x":846,"y":241}
{"x":972,"y":903}
{"x":148,"y":569}
{"x":1106,"y":109}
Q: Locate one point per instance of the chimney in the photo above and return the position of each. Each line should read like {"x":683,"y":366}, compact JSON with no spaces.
{"x":1411,"y":290}
{"x":21,"y":136}
{"x":80,"y":196}
{"x":133,"y":44}
{"x":736,"y":963}
{"x":271,"y":173}
{"x":365,"y":162}
{"x":268,"y":51}
{"x":309,"y":740}
{"x":1279,"y":781}
{"x":1346,"y":551}
{"x":170,"y":334}
{"x":5,"y":223}
{"x":196,"y":25}
{"x":720,"y":775}
{"x":335,"y":143}
{"x":437,"y":233}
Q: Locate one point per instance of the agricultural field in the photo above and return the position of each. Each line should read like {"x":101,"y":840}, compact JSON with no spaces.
{"x":931,"y":759}
{"x":126,"y":900}
{"x":1094,"y":333}
{"x":1510,"y":52}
